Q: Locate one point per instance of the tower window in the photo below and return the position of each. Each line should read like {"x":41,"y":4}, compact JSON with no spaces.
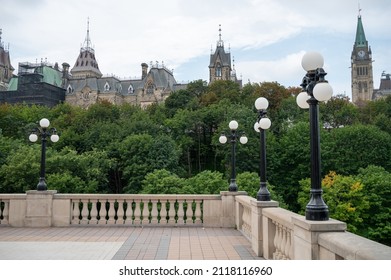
{"x":218,"y":70}
{"x":150,"y":89}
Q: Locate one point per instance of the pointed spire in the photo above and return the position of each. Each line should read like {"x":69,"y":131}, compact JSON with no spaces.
{"x":1,"y":43}
{"x":220,"y":42}
{"x":361,"y":41}
{"x":87,"y":42}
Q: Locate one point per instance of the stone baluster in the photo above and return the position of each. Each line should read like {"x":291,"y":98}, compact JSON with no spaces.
{"x":101,"y":212}
{"x":153,"y":212}
{"x":180,"y":212}
{"x":93,"y":212}
{"x":110,"y":212}
{"x":171,"y":212}
{"x":197,"y":212}
{"x":120,"y":212}
{"x":288,"y":245}
{"x":4,"y":206}
{"x":283,"y":242}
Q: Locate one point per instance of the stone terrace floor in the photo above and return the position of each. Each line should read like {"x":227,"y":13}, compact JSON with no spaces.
{"x":124,"y":243}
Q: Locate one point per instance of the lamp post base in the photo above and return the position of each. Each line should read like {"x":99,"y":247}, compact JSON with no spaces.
{"x":41,"y":185}
{"x":317,"y":213}
{"x":233,"y":187}
{"x":263,"y":193}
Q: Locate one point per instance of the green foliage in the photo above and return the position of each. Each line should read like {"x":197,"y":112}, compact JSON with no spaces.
{"x":249,"y":182}
{"x":207,"y":182}
{"x":345,"y":197}
{"x":140,"y":154}
{"x":377,"y":188}
{"x":356,"y":146}
{"x":338,"y":112}
{"x":20,"y":172}
{"x":164,"y":182}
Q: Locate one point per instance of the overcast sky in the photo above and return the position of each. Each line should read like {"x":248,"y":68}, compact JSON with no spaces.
{"x":267,"y":38}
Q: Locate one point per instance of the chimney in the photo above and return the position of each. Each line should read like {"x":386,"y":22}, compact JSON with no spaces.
{"x":144,"y":70}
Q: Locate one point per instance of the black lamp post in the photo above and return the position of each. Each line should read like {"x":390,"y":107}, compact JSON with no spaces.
{"x":315,"y":90}
{"x":233,"y":125}
{"x":44,"y":133}
{"x":263,"y":123}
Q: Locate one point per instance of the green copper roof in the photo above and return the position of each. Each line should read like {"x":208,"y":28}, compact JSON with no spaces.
{"x":361,"y":41}
{"x":13,"y":84}
{"x":51,"y":76}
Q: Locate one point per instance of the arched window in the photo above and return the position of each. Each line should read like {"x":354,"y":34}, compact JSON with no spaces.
{"x":150,"y":89}
{"x":218,"y":70}
{"x":69,"y":89}
{"x":130,"y":89}
{"x":107,"y":86}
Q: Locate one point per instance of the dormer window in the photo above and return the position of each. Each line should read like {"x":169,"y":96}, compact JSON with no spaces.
{"x":107,"y":86}
{"x":130,"y":89}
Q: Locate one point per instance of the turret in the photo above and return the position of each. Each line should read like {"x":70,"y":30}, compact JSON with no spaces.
{"x":144,"y":70}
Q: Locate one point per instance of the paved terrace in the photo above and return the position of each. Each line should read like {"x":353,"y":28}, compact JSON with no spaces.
{"x":124,"y":243}
{"x":231,"y":225}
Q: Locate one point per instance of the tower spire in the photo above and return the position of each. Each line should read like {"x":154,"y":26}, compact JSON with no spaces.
{"x":220,"y":42}
{"x":87,"y":41}
{"x":1,"y":43}
{"x":361,"y":41}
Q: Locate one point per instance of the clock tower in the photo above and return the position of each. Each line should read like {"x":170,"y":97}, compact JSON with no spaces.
{"x":362,"y":73}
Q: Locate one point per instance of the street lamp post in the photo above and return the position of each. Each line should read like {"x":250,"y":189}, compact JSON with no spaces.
{"x":315,"y":89}
{"x":263,"y":123}
{"x":43,"y":132}
{"x":233,"y":126}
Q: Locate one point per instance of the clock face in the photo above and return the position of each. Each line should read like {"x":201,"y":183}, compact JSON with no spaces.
{"x":361,"y":53}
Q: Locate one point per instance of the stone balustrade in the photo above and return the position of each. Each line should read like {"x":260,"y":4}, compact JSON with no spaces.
{"x":274,"y":233}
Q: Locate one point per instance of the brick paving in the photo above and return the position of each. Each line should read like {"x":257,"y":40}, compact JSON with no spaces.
{"x":124,"y":243}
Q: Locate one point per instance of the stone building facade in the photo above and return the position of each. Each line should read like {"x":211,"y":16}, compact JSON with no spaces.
{"x":6,"y":69}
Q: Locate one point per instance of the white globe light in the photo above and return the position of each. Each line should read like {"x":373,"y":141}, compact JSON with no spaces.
{"x":301,"y":100}
{"x":322,"y":91}
{"x":54,"y":138}
{"x":223,"y":139}
{"x":312,"y":61}
{"x":265,"y":123}
{"x":243,"y":139}
{"x":33,"y":137}
{"x":261,"y":103}
{"x":44,"y":123}
{"x":233,"y":125}
{"x":256,"y":127}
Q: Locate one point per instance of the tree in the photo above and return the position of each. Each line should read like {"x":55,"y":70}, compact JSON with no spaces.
{"x":181,"y":99}
{"x":140,"y":154}
{"x":207,"y":182}
{"x":20,"y":171}
{"x":274,"y":93}
{"x":249,"y":182}
{"x":344,"y":197}
{"x":161,"y":181}
{"x":352,"y":147}
{"x":338,"y":112}
{"x":290,"y":163}
{"x":219,"y":90}
{"x":377,"y":188}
